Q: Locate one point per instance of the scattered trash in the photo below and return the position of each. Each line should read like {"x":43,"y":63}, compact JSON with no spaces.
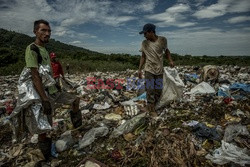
{"x":116,"y":130}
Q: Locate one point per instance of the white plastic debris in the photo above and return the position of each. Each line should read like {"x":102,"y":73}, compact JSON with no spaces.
{"x":233,"y":131}
{"x":80,"y":90}
{"x":113,"y":117}
{"x":64,"y":142}
{"x":91,"y":135}
{"x":34,"y":139}
{"x":202,"y":88}
{"x":84,"y":111}
{"x":229,"y":153}
{"x":127,"y":126}
{"x":101,"y":107}
{"x":128,"y":103}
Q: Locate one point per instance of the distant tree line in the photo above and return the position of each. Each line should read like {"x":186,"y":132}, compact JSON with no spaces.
{"x":13,"y":45}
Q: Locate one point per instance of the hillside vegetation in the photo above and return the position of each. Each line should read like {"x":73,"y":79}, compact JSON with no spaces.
{"x":13,"y":45}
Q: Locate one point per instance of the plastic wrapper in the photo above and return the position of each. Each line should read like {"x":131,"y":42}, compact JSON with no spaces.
{"x":91,"y":135}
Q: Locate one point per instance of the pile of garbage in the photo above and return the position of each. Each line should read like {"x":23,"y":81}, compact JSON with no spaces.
{"x":207,"y":126}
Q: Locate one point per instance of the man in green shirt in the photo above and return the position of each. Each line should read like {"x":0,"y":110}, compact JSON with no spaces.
{"x":36,"y":54}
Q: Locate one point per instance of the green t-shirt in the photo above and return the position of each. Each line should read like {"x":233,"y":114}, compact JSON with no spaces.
{"x":32,"y":61}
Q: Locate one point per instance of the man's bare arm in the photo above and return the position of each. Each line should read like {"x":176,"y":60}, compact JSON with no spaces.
{"x":142,"y":62}
{"x":168,"y":55}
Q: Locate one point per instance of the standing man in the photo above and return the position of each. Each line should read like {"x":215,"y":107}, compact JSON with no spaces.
{"x":35,"y":55}
{"x":57,"y":70}
{"x":153,"y":49}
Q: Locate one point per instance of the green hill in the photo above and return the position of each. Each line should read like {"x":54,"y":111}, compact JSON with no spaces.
{"x":13,"y":45}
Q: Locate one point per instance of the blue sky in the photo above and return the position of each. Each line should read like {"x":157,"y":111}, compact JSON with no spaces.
{"x":196,"y":27}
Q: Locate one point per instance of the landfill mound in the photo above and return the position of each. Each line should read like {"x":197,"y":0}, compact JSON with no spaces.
{"x":207,"y":126}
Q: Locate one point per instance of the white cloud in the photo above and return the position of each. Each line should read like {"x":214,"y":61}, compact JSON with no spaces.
{"x":173,"y":16}
{"x":69,"y":13}
{"x":238,"y":19}
{"x":221,"y":8}
{"x":238,"y":6}
{"x":75,"y":42}
{"x":207,"y":41}
{"x":211,"y":11}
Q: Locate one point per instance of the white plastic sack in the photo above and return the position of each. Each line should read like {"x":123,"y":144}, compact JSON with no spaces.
{"x":202,"y":88}
{"x":172,"y":87}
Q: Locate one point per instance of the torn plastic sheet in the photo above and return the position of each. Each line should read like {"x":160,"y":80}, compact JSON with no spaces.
{"x":229,"y":153}
{"x":233,"y":131}
{"x":91,"y":135}
{"x":224,"y":91}
{"x":240,"y":86}
{"x":127,"y":126}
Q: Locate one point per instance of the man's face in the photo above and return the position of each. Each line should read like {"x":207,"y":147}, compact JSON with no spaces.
{"x":43,"y":33}
{"x":148,"y":35}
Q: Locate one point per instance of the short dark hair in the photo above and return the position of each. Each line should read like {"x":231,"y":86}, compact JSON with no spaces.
{"x":38,"y":22}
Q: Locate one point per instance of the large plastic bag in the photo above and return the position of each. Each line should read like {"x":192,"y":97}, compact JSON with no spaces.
{"x":172,"y":87}
{"x":202,"y":88}
{"x":229,"y":153}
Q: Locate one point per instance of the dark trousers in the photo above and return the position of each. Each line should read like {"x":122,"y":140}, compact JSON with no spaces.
{"x":153,"y":85}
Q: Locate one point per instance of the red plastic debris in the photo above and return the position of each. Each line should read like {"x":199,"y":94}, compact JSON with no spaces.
{"x":227,"y":100}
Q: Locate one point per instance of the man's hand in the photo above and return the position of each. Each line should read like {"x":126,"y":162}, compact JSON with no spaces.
{"x":47,"y":109}
{"x":140,"y":74}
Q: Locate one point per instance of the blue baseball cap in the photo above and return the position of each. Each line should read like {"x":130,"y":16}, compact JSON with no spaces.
{"x":148,"y":27}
